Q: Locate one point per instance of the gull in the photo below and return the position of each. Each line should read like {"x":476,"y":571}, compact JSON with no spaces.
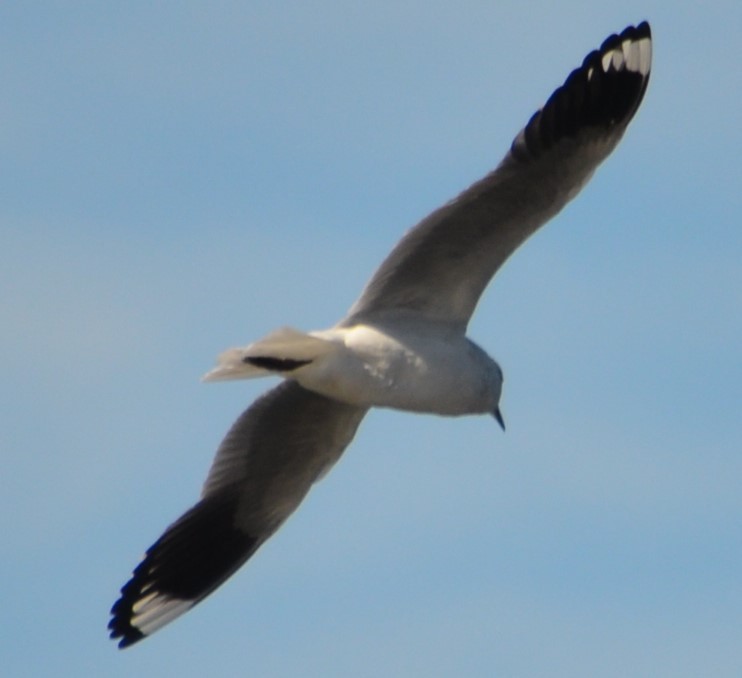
{"x":402,"y":344}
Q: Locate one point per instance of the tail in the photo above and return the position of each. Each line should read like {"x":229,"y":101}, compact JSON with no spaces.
{"x":280,"y":352}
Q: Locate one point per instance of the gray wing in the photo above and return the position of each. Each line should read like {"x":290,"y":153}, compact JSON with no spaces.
{"x":274,"y":452}
{"x":441,"y":266}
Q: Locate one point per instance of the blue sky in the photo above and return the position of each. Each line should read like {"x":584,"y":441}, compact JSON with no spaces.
{"x":179,"y":178}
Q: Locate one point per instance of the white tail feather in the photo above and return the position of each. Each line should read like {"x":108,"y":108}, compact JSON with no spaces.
{"x":285,"y":343}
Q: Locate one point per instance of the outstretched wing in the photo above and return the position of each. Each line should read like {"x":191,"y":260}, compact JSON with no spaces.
{"x":274,"y":452}
{"x":441,"y":266}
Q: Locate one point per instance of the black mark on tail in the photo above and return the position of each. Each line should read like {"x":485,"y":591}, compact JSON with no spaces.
{"x":276,"y":364}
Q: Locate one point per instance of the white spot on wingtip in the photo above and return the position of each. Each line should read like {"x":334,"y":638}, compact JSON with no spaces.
{"x":612,"y":59}
{"x":617,"y":60}
{"x":639,"y":56}
{"x":635,"y":56}
{"x":632,"y":55}
{"x":155,"y":610}
{"x":142,"y":603}
{"x":645,"y":55}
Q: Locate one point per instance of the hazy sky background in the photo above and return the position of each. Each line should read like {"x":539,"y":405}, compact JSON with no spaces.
{"x":178,"y":178}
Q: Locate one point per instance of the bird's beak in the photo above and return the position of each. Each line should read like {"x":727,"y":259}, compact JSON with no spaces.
{"x":498,"y":416}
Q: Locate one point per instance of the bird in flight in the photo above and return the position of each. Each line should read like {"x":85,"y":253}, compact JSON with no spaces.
{"x":402,"y":344}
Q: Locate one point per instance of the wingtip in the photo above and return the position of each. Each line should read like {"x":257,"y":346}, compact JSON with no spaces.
{"x":120,"y":626}
{"x":603,"y":93}
{"x":631,"y":49}
{"x":126,"y":638}
{"x":192,"y":557}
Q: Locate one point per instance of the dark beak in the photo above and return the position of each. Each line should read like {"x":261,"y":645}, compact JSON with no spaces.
{"x":498,"y":416}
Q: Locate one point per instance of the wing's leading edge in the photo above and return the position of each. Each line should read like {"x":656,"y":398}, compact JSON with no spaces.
{"x":441,"y":266}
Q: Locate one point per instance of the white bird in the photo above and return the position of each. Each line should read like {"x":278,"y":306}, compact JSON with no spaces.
{"x":403,"y":344}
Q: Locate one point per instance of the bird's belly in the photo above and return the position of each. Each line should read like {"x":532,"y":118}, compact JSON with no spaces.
{"x":418,"y":374}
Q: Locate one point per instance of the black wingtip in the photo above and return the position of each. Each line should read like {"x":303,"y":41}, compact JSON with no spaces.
{"x":192,"y":558}
{"x":604,"y":92}
{"x":120,"y":627}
